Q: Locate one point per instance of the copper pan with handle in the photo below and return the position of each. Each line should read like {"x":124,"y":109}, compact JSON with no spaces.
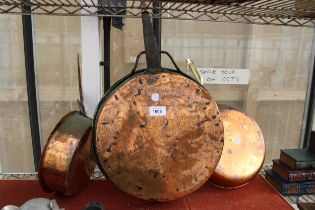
{"x":157,"y":132}
{"x":67,"y":160}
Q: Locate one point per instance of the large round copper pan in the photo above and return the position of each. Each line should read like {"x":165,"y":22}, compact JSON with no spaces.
{"x":158,"y":155}
{"x":67,"y":161}
{"x":243,"y":152}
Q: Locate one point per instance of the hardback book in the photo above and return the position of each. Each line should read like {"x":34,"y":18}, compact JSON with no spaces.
{"x":287,"y":188}
{"x":306,"y":206}
{"x":298,"y":159}
{"x":292,"y":176}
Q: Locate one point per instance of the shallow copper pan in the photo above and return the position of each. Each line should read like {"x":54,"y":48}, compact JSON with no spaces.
{"x":67,"y":161}
{"x":243,"y":152}
{"x":158,"y":156}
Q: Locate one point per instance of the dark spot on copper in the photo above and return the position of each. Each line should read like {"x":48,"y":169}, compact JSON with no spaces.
{"x":152,"y":80}
{"x":207,"y":103}
{"x":217,"y":124}
{"x":154,"y":173}
{"x":187,"y":85}
{"x":109,"y":149}
{"x":197,"y":91}
{"x":134,"y":103}
{"x":165,"y":123}
{"x":142,"y":126}
{"x":105,"y":123}
{"x":115,"y":137}
{"x":105,"y":161}
{"x":196,"y":179}
{"x":230,"y":151}
{"x":140,"y":81}
{"x":117,"y":112}
{"x":203,"y":121}
{"x":118,"y":172}
{"x":139,"y":188}
{"x":222,"y":140}
{"x":138,"y":93}
{"x":116,"y":97}
{"x":218,"y":112}
{"x":214,"y":116}
{"x":167,"y":135}
{"x":177,"y":189}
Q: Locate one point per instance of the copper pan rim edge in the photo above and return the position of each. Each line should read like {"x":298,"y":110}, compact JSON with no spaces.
{"x":40,"y":169}
{"x":227,"y":107}
{"x":96,"y":119}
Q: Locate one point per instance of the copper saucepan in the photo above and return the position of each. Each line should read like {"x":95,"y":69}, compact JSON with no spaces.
{"x":67,"y":161}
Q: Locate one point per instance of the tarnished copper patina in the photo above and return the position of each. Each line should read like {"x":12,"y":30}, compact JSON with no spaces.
{"x":243,"y":152}
{"x":158,"y":155}
{"x":67,"y":161}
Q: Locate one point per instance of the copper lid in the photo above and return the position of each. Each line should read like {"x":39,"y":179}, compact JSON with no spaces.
{"x":243,"y":152}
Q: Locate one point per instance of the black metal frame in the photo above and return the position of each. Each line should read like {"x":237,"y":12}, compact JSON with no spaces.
{"x":310,"y":110}
{"x":106,"y":63}
{"x":157,"y":22}
{"x":31,"y":84}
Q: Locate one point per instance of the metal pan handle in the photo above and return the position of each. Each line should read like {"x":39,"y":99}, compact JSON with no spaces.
{"x":160,"y":52}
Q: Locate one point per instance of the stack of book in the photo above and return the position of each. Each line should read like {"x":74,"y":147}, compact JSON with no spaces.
{"x":294,"y":172}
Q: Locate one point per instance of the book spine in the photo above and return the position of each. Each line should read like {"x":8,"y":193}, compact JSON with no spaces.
{"x":304,"y":165}
{"x":275,"y":184}
{"x":282,"y":173}
{"x":302,"y":177}
{"x":298,"y":189}
{"x":287,"y":161}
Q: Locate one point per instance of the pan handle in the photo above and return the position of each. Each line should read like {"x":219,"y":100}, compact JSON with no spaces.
{"x":160,"y":52}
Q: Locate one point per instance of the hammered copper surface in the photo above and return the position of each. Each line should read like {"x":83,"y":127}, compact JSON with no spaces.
{"x":159,"y":157}
{"x":243,"y":152}
{"x":67,"y":161}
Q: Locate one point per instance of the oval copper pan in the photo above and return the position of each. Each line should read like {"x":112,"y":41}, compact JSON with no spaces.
{"x":243,"y":152}
{"x":158,"y":157}
{"x":67,"y":161}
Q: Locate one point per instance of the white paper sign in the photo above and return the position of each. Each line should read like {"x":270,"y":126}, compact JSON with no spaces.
{"x":224,"y":76}
{"x":157,"y":110}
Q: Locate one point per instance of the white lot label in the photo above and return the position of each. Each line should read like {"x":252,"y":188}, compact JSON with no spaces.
{"x":157,"y":110}
{"x":237,"y":140}
{"x":155,"y":97}
{"x":225,"y":76}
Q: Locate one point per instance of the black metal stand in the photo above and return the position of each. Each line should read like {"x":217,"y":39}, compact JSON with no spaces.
{"x":310,"y":110}
{"x":31,"y":85}
{"x":106,"y":63}
{"x":157,"y":24}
